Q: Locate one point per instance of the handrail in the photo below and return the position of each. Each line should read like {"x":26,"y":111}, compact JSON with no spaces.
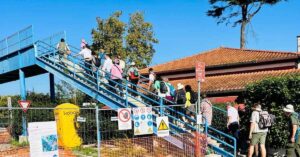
{"x":219,"y":109}
{"x":226,"y":135}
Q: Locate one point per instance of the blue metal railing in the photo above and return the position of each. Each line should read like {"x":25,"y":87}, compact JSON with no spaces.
{"x":17,"y":41}
{"x":49,"y":52}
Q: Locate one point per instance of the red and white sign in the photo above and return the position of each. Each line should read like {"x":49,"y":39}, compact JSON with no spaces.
{"x":24,"y":104}
{"x":200,"y":71}
{"x":124,"y":119}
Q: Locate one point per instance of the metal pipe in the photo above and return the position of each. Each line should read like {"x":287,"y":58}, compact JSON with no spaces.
{"x":98,"y":132}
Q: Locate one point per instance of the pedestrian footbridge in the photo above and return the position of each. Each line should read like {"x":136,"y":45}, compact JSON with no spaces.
{"x":21,"y":56}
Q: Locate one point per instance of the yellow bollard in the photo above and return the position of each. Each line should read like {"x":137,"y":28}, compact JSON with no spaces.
{"x":65,"y":116}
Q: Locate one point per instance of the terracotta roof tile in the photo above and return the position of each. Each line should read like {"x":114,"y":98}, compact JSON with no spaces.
{"x":223,"y":56}
{"x":233,"y":82}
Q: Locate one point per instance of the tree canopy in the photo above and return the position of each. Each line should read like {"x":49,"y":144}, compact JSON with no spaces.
{"x":134,"y":42}
{"x":238,"y":12}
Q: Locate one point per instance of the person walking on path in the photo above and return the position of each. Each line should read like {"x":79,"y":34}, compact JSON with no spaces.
{"x":133,"y":75}
{"x":233,"y":121}
{"x":63,"y":50}
{"x":206,"y":110}
{"x":86,"y":53}
{"x":257,"y":135}
{"x":152,"y":78}
{"x":107,"y":65}
{"x":293,"y":145}
{"x":116,"y":77}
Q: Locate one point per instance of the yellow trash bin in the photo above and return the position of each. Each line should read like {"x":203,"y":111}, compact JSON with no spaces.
{"x":65,"y":116}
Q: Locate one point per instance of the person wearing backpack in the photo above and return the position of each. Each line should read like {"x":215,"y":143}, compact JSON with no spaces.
{"x":63,"y":50}
{"x":258,"y":132}
{"x":133,"y":75}
{"x":189,"y":107}
{"x":293,"y":145}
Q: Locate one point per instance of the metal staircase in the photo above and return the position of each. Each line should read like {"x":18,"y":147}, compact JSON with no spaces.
{"x":91,"y":82}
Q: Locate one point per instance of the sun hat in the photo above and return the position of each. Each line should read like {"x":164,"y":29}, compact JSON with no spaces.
{"x":132,"y":63}
{"x":289,"y":108}
{"x":180,"y":86}
{"x":257,"y":108}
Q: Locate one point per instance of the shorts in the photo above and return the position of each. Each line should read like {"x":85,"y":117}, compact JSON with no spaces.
{"x":258,"y":138}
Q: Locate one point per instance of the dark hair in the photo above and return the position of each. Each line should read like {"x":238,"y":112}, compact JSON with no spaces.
{"x":62,"y":40}
{"x":151,"y":69}
{"x":188,"y":88}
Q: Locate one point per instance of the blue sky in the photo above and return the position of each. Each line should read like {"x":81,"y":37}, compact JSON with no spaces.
{"x":181,"y":26}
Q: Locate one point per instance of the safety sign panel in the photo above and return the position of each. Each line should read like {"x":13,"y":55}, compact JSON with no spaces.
{"x":124,"y":119}
{"x":142,"y":118}
{"x":43,"y":139}
{"x":162,"y":126}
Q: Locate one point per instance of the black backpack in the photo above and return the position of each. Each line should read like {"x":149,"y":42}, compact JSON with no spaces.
{"x":194,"y":97}
{"x":96,"y":61}
{"x":266,"y":120}
{"x":163,"y":87}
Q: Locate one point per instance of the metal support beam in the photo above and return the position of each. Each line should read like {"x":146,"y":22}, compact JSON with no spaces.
{"x":52,"y":88}
{"x":23,"y":97}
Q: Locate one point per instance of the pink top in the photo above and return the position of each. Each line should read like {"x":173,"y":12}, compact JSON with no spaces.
{"x":116,"y":72}
{"x":206,"y":110}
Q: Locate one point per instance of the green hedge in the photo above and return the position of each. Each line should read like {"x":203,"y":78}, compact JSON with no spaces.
{"x":273,"y":94}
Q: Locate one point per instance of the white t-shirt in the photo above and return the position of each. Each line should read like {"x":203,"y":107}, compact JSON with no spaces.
{"x":151,"y":77}
{"x":233,"y":113}
{"x":107,"y":65}
{"x":122,"y":64}
{"x":86,"y":53}
{"x":255,"y":119}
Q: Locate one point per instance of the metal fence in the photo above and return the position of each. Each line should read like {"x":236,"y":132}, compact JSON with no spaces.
{"x":108,"y":141}
{"x":17,"y":41}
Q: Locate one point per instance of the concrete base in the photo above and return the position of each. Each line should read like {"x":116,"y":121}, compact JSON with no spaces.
{"x":23,"y":139}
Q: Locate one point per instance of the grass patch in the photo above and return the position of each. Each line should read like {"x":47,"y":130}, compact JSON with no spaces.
{"x":88,"y":151}
{"x":16,"y":143}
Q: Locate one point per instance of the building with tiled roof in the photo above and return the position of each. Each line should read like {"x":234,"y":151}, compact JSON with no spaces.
{"x":229,"y":70}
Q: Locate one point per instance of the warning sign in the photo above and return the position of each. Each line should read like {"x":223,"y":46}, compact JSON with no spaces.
{"x":24,"y":104}
{"x":124,"y":119}
{"x":143,"y":123}
{"x":163,"y":126}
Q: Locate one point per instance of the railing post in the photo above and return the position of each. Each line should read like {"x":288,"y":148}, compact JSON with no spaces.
{"x":161,"y":106}
{"x":126,"y":93}
{"x":98,"y":132}
{"x":97,"y":75}
{"x":206,"y":127}
{"x":234,"y":142}
{"x":54,"y":57}
{"x":74,"y":73}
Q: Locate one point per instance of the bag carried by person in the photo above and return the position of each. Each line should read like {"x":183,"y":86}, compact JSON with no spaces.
{"x":172,"y":90}
{"x":134,"y":75}
{"x":194,"y":97}
{"x":163,"y":87}
{"x":62,"y":47}
{"x":96,"y":62}
{"x":266,"y":120}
